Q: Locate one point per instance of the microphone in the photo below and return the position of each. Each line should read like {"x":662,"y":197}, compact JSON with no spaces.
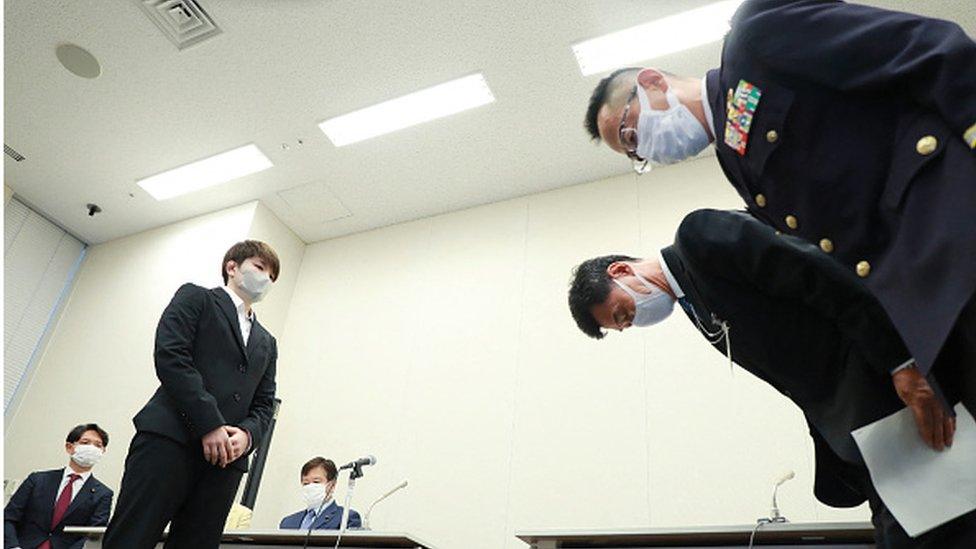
{"x":368,"y":460}
{"x":774,"y":515}
{"x":381,"y":498}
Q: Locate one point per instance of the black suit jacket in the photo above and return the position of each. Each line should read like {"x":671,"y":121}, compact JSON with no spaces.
{"x":858,"y":135}
{"x":27,"y":516}
{"x":207,"y":376}
{"x":799,"y":321}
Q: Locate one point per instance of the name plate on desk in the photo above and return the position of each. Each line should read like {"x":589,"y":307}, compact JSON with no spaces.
{"x":268,"y":539}
{"x":837,"y":535}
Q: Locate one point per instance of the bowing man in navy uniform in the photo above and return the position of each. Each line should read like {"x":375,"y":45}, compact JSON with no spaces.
{"x":851,"y":127}
{"x":794,"y":318}
{"x":321,"y":511}
{"x":47,"y":501}
{"x":216,"y":367}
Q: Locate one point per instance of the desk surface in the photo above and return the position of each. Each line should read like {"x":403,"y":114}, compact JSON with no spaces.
{"x":351,"y":539}
{"x":826,"y":533}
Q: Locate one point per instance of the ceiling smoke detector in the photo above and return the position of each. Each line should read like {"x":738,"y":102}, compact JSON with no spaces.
{"x":184,"y":22}
{"x":78,"y":61}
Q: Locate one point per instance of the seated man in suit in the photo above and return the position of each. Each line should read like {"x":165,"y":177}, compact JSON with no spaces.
{"x":789,"y":314}
{"x":321,"y":511}
{"x":47,"y":501}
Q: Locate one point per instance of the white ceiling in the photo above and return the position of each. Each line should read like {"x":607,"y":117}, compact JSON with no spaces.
{"x":278,"y":69}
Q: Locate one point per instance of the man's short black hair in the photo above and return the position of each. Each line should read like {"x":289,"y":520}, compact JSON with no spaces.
{"x":601,"y":94}
{"x":591,"y":286}
{"x":75,"y":434}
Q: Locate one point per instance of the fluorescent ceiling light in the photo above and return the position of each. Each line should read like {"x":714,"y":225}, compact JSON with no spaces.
{"x":412,"y":109}
{"x":670,"y":34}
{"x":206,"y":173}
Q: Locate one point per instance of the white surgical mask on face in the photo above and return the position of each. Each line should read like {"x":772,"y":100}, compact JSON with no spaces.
{"x":254,"y":283}
{"x":652,"y":307}
{"x":86,"y":455}
{"x":668,"y":136}
{"x":314,"y":494}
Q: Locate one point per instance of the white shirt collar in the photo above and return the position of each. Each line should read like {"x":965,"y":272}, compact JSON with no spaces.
{"x":707,"y":107}
{"x":325,"y":507}
{"x":239,"y":303}
{"x":69,"y":471}
{"x":678,"y":292}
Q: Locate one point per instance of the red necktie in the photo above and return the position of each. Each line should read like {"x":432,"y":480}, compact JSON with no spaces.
{"x":61,"y":507}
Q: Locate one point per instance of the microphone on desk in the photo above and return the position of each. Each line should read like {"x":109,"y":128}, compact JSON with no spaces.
{"x":400,"y":486}
{"x":774,"y":515}
{"x":368,"y":460}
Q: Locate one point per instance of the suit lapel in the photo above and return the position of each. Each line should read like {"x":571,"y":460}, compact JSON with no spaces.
{"x":326,"y":515}
{"x":83,"y":498}
{"x":50,"y":490}
{"x":680,"y":273}
{"x":230,"y":313}
{"x":256,"y":337}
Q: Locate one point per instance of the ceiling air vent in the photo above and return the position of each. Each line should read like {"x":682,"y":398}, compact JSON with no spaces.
{"x":182,"y":21}
{"x":12,"y":153}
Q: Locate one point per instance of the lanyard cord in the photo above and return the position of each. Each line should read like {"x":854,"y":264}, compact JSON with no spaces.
{"x":716,"y":336}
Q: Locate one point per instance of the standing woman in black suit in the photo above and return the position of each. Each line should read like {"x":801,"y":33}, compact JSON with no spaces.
{"x":216,"y":367}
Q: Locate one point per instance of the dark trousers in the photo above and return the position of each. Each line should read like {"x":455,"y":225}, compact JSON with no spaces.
{"x":169,"y":482}
{"x":959,"y":533}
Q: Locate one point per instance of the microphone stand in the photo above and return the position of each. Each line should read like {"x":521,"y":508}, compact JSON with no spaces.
{"x":354,"y":473}
{"x":381,"y":498}
{"x":774,"y":514}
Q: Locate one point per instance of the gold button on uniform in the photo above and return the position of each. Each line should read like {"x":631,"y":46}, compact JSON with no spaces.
{"x":863,"y":269}
{"x":826,"y":245}
{"x":772,"y":136}
{"x":761,"y":200}
{"x":791,"y":222}
{"x":926,"y":145}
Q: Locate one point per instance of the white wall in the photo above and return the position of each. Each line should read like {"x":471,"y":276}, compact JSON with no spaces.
{"x":445,"y":347}
{"x":97,"y":365}
{"x":265,"y":226}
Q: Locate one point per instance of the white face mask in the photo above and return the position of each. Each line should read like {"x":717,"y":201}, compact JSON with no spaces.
{"x":652,"y":307}
{"x":254,"y":283}
{"x":314,"y":494}
{"x":86,"y":455}
{"x":668,"y":136}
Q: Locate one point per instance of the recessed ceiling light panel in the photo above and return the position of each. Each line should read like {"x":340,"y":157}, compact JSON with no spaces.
{"x":205,"y":173}
{"x":409,"y":110}
{"x":664,"y":36}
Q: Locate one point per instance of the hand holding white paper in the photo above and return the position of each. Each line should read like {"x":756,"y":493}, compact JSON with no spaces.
{"x":921,"y":487}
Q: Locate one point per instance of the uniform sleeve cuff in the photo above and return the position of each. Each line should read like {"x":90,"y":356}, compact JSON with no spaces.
{"x":907,"y":364}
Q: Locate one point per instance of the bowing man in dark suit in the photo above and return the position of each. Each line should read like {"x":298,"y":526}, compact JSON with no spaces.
{"x":800,"y":322}
{"x":216,"y":367}
{"x":47,"y":501}
{"x":321,"y":511}
{"x":849,"y":126}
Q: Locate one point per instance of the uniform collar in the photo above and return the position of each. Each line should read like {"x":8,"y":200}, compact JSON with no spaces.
{"x":707,"y":106}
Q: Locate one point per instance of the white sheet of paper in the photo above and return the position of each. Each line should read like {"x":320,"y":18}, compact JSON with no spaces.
{"x":921,"y":487}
